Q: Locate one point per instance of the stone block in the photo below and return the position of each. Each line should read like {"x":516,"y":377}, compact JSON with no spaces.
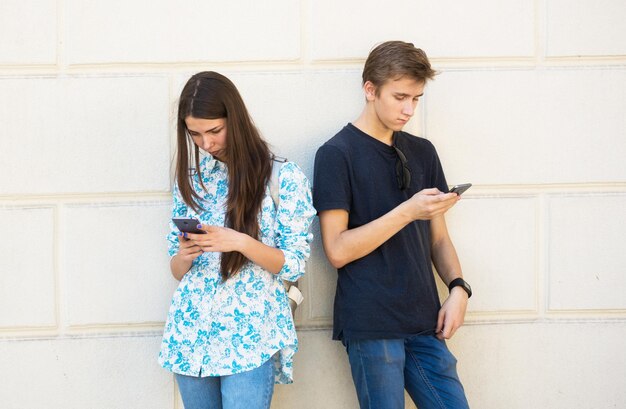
{"x":444,"y":29}
{"x":586,"y":265}
{"x":166,"y":32}
{"x":85,"y":135}
{"x":496,"y":241}
{"x":73,"y":373}
{"x":27,"y":267}
{"x":565,"y":365}
{"x":529,"y":127}
{"x":115,"y":263}
{"x":321,"y":376}
{"x":585,"y":28}
{"x":28,"y":32}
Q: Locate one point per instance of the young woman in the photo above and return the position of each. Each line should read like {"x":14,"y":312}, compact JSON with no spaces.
{"x":229,"y":334}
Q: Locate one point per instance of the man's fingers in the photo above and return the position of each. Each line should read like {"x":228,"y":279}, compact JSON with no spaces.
{"x":429,"y":191}
{"x":446,"y":327}
{"x":440,"y":321}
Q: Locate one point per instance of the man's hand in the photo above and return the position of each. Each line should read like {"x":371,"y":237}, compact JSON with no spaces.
{"x":452,"y":313}
{"x":429,"y":203}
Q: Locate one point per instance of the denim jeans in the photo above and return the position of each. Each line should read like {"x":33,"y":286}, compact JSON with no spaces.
{"x":421,"y":364}
{"x":247,"y":390}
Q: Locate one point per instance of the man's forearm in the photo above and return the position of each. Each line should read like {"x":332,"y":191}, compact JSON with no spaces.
{"x":343,"y":247}
{"x":446,"y":262}
{"x":443,"y":253}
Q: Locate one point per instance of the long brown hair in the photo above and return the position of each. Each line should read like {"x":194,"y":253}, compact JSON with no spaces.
{"x":209,"y":95}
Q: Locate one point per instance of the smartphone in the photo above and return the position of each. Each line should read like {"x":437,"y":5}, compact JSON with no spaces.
{"x":187,"y":225}
{"x":460,"y":189}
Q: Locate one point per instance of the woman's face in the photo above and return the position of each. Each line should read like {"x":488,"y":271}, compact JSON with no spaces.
{"x":208,"y":134}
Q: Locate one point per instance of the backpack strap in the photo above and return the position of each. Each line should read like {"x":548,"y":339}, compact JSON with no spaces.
{"x":277,"y":163}
{"x":293,"y":292}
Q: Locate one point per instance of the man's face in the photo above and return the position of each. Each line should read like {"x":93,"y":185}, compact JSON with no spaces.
{"x":396,"y":101}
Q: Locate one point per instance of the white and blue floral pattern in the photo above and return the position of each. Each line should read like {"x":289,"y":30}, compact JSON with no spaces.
{"x":217,"y":328}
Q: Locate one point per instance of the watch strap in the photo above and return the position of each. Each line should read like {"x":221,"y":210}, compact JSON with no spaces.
{"x":459,"y":282}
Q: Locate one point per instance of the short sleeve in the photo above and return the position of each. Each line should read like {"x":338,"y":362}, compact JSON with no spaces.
{"x":294,"y":215}
{"x":332,"y":181}
{"x":438,"y":178}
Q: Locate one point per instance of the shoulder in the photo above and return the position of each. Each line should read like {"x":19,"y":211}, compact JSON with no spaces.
{"x":413,"y":140}
{"x":290,"y":173}
{"x":289,"y":168}
{"x":416,"y":143}
{"x":341,"y":141}
{"x":340,"y":148}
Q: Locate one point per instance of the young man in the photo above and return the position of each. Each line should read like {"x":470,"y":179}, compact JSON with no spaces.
{"x":380,"y":194}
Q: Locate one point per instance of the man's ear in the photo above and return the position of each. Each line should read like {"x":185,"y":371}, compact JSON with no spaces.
{"x":370,"y":90}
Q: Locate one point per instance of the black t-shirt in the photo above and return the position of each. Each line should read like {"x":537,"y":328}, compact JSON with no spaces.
{"x":391,"y":292}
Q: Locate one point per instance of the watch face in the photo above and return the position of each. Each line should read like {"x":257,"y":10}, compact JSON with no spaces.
{"x":459,"y":282}
{"x":468,"y":288}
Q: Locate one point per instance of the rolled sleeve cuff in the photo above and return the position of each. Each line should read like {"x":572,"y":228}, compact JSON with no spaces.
{"x":295,"y":261}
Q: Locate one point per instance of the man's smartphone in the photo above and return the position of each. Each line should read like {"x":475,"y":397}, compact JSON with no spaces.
{"x":187,"y":225}
{"x":460,"y":189}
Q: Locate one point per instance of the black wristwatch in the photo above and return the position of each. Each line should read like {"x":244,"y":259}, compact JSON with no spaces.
{"x":459,"y":282}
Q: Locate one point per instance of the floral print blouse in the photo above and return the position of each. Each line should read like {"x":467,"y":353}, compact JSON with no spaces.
{"x":217,"y":328}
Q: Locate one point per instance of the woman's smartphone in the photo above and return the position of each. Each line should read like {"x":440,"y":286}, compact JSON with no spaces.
{"x":187,"y":225}
{"x":460,"y":189}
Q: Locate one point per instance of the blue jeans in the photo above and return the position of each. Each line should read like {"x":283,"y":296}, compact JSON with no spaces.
{"x":247,"y":390}
{"x":421,"y":364}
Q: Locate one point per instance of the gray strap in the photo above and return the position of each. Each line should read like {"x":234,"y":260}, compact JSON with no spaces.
{"x":277,"y":163}
{"x":294,"y":294}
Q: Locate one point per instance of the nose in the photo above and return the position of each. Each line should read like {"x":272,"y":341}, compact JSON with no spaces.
{"x":409,"y":108}
{"x":207,"y":142}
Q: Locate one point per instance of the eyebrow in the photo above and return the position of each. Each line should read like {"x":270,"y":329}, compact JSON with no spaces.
{"x":402,"y":94}
{"x":208,"y":130}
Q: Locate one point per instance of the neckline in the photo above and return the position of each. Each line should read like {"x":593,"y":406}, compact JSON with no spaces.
{"x":373,"y":141}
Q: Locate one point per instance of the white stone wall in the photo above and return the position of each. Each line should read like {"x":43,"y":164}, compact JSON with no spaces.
{"x":530,"y":107}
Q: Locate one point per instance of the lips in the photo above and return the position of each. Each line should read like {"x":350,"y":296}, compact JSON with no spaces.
{"x":217,"y":153}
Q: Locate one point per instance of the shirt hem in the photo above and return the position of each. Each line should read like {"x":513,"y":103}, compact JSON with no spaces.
{"x":282,"y":357}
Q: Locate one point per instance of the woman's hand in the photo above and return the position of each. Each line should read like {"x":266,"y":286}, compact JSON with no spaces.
{"x":223,"y":240}
{"x":218,"y":239}
{"x":188,"y":250}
